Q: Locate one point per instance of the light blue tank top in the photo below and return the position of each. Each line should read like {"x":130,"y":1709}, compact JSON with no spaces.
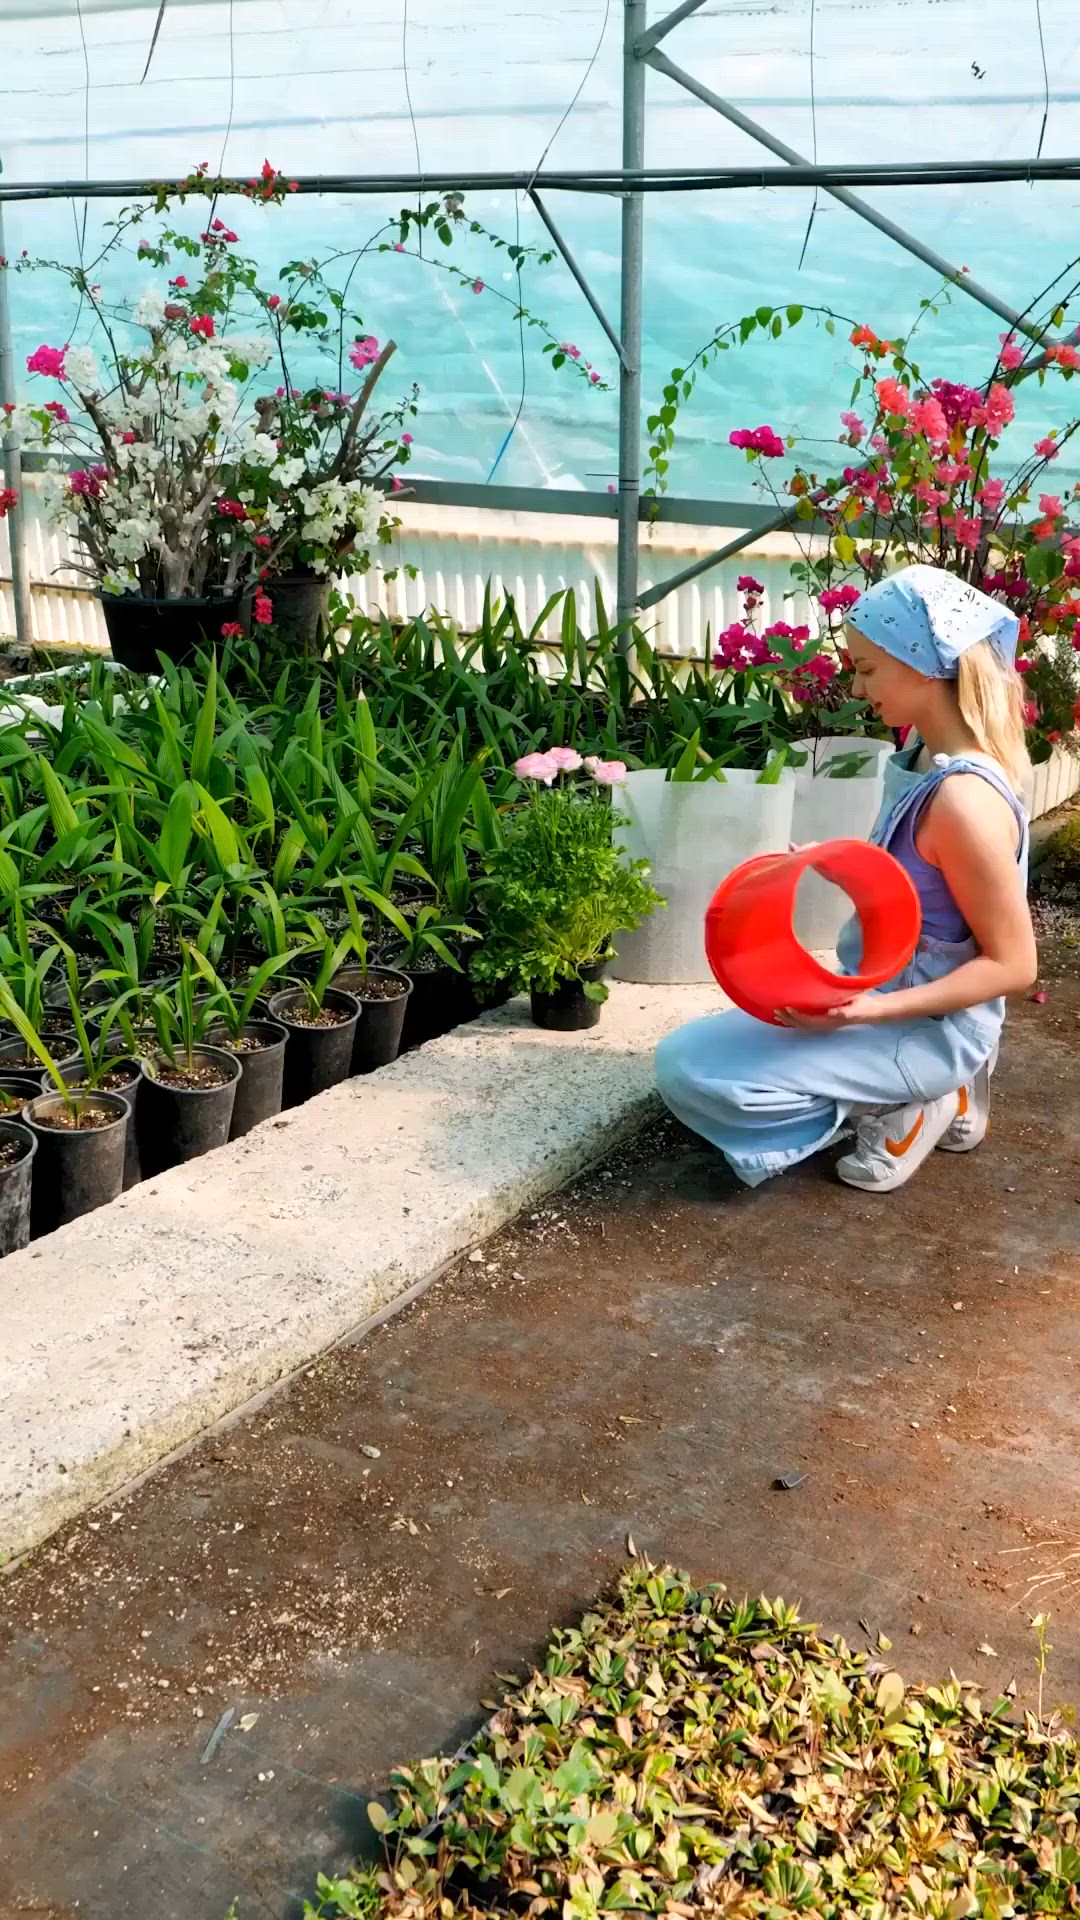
{"x":907,"y":793}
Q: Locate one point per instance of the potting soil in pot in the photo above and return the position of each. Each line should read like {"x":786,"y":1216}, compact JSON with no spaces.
{"x":199,"y":1078}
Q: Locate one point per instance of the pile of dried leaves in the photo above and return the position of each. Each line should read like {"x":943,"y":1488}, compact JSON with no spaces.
{"x":684,"y":1755}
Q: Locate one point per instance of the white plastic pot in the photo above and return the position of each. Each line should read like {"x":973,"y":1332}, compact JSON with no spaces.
{"x":833,"y":809}
{"x":692,"y":833}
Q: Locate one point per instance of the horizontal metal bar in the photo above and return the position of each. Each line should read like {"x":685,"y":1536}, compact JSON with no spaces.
{"x":645,"y":42}
{"x":578,"y":274}
{"x":799,"y":173}
{"x":653,"y":595}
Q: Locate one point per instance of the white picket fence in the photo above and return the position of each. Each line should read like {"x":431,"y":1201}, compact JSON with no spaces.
{"x":454,"y":552}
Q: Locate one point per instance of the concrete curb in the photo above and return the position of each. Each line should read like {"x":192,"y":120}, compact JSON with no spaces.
{"x":130,"y":1332}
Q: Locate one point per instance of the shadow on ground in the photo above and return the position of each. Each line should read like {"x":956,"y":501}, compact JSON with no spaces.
{"x":644,"y":1356}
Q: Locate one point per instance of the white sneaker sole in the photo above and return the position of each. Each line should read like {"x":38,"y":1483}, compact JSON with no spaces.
{"x":907,"y":1160}
{"x":969,"y":1129}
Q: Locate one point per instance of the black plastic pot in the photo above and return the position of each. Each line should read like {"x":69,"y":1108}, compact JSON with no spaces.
{"x":377,"y":1039}
{"x":74,"y":1074}
{"x":316,"y":1058}
{"x":15,"y":1185}
{"x":75,"y":1171}
{"x":100,"y":994}
{"x":434,"y":1005}
{"x":260,"y":1089}
{"x":301,"y":602}
{"x":19,"y":1086}
{"x":567,"y":1010}
{"x":140,"y":629}
{"x":177,"y":1124}
{"x":22,"y":1059}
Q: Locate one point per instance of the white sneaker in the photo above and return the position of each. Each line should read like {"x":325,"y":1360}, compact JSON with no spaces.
{"x":968,"y":1130}
{"x":890,"y":1147}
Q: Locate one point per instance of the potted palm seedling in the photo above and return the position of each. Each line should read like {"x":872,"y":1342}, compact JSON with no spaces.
{"x":383,"y":993}
{"x":81,"y":1137}
{"x":230,"y":1020}
{"x":320,"y":1019}
{"x":423,"y":951}
{"x":186,"y":1104}
{"x":99,"y":1064}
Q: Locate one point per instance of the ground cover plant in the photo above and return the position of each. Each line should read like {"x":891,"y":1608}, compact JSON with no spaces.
{"x":679,"y":1753}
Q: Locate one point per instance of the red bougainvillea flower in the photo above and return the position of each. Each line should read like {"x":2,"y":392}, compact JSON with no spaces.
{"x":839,"y":599}
{"x":59,"y":412}
{"x":762,"y":440}
{"x":263,"y":540}
{"x":893,"y":397}
{"x":127,"y":439}
{"x":747,"y":584}
{"x":1030,"y":713}
{"x":202,"y":324}
{"x":1048,"y":448}
{"x":231,"y":630}
{"x":1023,"y":664}
{"x":180,"y":281}
{"x":864,"y":337}
{"x":1065,"y":356}
{"x":48,"y":360}
{"x":232,"y":509}
{"x":262,"y":611}
{"x":274,"y":301}
{"x":1043,"y":530}
{"x":8,"y":499}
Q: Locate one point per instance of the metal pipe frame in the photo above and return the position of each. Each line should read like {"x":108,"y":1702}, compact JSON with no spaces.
{"x":630,"y":182}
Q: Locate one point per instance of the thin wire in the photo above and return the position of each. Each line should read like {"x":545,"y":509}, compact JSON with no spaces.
{"x":80,"y":236}
{"x":578,"y":91}
{"x":577,"y":96}
{"x":512,"y":428}
{"x":412,"y":116}
{"x":229,"y":117}
{"x":1044,"y":79}
{"x":813,"y":124}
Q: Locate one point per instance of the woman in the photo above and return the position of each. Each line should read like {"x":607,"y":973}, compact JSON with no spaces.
{"x":910,"y":1062}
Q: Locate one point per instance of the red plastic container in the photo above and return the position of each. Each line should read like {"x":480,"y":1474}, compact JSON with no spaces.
{"x":750,"y":928}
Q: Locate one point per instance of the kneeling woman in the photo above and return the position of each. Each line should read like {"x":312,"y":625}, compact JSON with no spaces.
{"x":909,"y":1064}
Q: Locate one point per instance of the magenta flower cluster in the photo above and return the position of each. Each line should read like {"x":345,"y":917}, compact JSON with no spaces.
{"x":763,"y":440}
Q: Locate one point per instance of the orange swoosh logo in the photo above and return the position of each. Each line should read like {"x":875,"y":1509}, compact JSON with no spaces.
{"x":898,"y":1148}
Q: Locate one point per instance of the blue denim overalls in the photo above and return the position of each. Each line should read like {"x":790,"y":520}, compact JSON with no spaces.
{"x":768,"y":1097}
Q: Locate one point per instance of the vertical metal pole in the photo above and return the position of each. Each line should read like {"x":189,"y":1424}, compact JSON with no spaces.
{"x":633,"y":255}
{"x":20,"y":568}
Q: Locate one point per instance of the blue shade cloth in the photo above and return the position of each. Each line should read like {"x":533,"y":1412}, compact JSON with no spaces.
{"x":927,"y":618}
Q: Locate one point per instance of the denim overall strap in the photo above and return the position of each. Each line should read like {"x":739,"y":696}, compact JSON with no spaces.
{"x":914,"y":798}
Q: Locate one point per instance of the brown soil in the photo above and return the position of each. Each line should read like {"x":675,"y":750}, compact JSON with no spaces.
{"x":376,"y":989}
{"x":247,"y":1043}
{"x":325,"y":1017}
{"x":11,"y":1152}
{"x":13,"y":1103}
{"x":117,"y":1080}
{"x":82,"y":1120}
{"x":21,"y":1063}
{"x":356,"y":1562}
{"x":201,"y":1077}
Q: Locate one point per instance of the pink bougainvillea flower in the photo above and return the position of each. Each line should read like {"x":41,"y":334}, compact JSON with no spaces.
{"x":59,"y":412}
{"x":537,"y":766}
{"x":1012,"y":353}
{"x":478,"y":286}
{"x":763,"y":440}
{"x":571,"y":352}
{"x":991,"y":494}
{"x":8,"y":499}
{"x":263,"y":540}
{"x":262,"y":611}
{"x":997,"y":410}
{"x":231,"y":630}
{"x":127,"y":439}
{"x":747,"y":584}
{"x":1030,"y":713}
{"x":967,"y":530}
{"x":1039,"y":999}
{"x":202,"y":324}
{"x":1048,"y":448}
{"x":606,"y":773}
{"x":928,"y":417}
{"x":48,"y":360}
{"x":1050,"y":504}
{"x":274,"y":301}
{"x":594,"y":379}
{"x":397,"y":484}
{"x":364,"y":352}
{"x":853,"y":424}
{"x":86,"y":485}
{"x":930,"y":495}
{"x":565,"y":758}
{"x":893,"y":397}
{"x":838,"y":599}
{"x":180,"y":281}
{"x":947,"y":473}
{"x":406,"y":439}
{"x":1023,"y":665}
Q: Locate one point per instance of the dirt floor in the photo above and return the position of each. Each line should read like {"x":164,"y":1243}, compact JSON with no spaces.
{"x":349,"y":1568}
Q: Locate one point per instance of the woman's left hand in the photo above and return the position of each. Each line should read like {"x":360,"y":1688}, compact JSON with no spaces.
{"x":865,"y":1009}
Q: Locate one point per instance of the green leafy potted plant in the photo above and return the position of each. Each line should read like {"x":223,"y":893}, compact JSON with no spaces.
{"x":186,"y":1104}
{"x":559,"y":890}
{"x":383,"y":993}
{"x":81,"y":1137}
{"x":98,"y":1065}
{"x":320,"y":1021}
{"x":424,"y":953}
{"x":231,"y":1022}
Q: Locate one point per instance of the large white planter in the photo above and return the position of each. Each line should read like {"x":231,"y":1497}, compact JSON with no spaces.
{"x":692,"y":833}
{"x":833,"y":809}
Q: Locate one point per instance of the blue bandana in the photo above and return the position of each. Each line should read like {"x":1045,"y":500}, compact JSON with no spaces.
{"x":927,"y":618}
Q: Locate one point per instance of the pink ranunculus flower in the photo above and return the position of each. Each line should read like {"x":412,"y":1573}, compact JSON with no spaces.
{"x":606,"y":773}
{"x":565,"y":758}
{"x":1012,"y":353}
{"x":49,"y":360}
{"x":536,"y":766}
{"x":363,"y":353}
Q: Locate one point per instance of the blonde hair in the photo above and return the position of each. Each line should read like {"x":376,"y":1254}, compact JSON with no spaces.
{"x":991,"y":701}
